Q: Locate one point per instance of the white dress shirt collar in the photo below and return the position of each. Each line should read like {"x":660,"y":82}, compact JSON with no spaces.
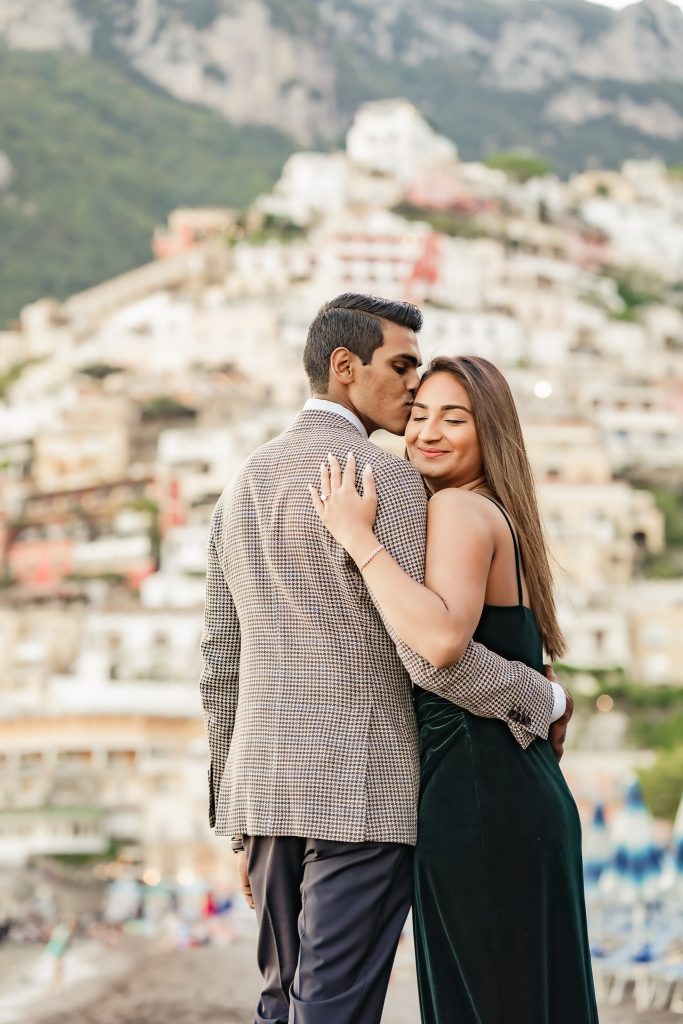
{"x":322,"y":405}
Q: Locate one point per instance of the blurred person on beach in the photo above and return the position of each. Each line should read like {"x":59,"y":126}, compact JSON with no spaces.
{"x":56,"y":948}
{"x":306,"y":685}
{"x":499,"y":910}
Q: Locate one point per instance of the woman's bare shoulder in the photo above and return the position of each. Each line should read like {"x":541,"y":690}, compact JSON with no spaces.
{"x":456,"y":507}
{"x":459,"y":500}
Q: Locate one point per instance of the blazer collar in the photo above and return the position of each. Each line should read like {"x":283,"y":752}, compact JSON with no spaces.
{"x":321,"y":419}
{"x":323,"y":405}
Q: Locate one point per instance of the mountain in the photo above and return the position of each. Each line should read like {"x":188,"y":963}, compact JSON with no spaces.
{"x":114,"y":111}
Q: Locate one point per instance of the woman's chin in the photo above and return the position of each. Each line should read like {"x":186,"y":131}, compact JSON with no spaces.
{"x":426,"y":471}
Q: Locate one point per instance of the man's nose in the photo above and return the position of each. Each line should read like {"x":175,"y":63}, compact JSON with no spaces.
{"x":412,"y":383}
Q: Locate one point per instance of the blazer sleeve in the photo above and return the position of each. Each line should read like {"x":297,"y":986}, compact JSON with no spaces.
{"x":219,"y":681}
{"x":481,"y":682}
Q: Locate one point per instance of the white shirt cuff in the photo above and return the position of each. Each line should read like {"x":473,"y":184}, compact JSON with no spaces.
{"x":559,"y":702}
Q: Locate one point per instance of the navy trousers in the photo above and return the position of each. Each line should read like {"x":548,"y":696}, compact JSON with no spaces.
{"x":330,"y":916}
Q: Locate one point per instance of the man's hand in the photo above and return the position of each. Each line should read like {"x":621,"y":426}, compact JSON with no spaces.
{"x":558,"y":730}
{"x":245,"y":885}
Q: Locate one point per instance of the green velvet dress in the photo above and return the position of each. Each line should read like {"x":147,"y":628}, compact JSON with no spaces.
{"x":499,"y":912}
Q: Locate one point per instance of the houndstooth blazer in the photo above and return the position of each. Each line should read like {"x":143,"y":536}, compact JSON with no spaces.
{"x":307,"y":698}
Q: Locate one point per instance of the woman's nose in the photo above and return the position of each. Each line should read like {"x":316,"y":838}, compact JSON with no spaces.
{"x":429,"y":430}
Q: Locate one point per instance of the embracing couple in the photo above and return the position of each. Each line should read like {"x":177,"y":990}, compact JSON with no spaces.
{"x":380,"y":727}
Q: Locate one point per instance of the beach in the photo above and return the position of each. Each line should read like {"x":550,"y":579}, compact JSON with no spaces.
{"x":135,"y":982}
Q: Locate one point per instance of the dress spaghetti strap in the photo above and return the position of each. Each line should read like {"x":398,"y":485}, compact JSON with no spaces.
{"x":518,"y":556}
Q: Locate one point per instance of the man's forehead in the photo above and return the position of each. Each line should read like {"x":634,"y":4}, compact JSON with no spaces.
{"x":400,"y":341}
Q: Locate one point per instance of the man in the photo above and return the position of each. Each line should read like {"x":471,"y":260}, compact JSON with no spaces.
{"x":314,"y":759}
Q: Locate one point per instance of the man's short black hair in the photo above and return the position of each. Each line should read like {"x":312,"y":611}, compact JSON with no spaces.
{"x":355,"y":322}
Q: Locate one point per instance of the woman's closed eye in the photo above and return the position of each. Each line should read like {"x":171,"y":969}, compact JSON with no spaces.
{"x":421,"y":419}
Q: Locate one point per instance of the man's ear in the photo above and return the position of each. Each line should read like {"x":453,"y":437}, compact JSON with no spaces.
{"x":342,"y":365}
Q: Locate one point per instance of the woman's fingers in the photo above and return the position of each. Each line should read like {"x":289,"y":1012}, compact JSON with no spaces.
{"x":333,"y":479}
{"x":349,"y":477}
{"x":325,"y":487}
{"x":318,"y":505}
{"x":335,"y":473}
{"x":369,"y":488}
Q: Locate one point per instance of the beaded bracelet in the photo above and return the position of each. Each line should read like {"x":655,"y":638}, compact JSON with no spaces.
{"x":380,"y":547}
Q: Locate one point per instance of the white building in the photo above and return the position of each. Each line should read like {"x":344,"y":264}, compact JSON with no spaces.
{"x":312,"y":186}
{"x":135,"y":646}
{"x":656,"y":624}
{"x":597,"y":633}
{"x":466,"y":272}
{"x":393,"y":138}
{"x":643,"y":439}
{"x":376,"y":252}
{"x":569,"y":451}
{"x":493,"y":336}
{"x":598,"y":531}
{"x":643,"y":235}
{"x":41,"y":831}
{"x":195,"y":464}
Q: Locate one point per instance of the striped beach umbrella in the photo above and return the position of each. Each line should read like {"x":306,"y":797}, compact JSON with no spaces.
{"x":672,"y":876}
{"x":597,"y":849}
{"x":636,"y":865}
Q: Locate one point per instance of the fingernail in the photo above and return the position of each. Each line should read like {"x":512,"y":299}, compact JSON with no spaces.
{"x":349,"y":455}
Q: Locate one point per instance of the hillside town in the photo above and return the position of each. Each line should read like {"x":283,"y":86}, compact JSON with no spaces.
{"x":126,"y":409}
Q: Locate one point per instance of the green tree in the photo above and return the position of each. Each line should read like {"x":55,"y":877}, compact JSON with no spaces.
{"x":520,"y":166}
{"x":638,"y":288}
{"x":12,"y":375}
{"x":165,"y":407}
{"x":98,"y":371}
{"x":663,"y":783}
{"x":448,"y":222}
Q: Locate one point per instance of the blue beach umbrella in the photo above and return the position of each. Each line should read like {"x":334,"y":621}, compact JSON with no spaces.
{"x":677,"y":842}
{"x":636,"y":865}
{"x":672,"y":880}
{"x":597,"y":849}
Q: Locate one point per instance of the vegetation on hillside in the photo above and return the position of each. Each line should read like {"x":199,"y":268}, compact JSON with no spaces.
{"x":101,"y":159}
{"x":449,"y":222}
{"x":655,"y":722}
{"x":463,"y":104}
{"x":102,"y":155}
{"x":668,"y":564}
{"x":519,"y":166}
{"x":663,"y":783}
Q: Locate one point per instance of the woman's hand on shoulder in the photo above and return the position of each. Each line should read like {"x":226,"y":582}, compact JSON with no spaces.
{"x":348,"y":514}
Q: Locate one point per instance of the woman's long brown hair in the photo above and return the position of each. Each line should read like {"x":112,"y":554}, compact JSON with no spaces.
{"x":509,"y":479}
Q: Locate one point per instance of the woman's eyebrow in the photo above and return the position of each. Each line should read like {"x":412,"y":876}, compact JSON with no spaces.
{"x":444,"y":408}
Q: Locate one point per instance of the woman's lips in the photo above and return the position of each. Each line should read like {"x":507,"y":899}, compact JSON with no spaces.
{"x":431,"y":453}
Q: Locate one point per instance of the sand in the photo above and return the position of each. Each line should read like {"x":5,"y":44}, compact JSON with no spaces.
{"x":137,"y":983}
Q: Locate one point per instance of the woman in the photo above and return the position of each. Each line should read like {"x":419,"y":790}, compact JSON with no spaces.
{"x":500,"y":924}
